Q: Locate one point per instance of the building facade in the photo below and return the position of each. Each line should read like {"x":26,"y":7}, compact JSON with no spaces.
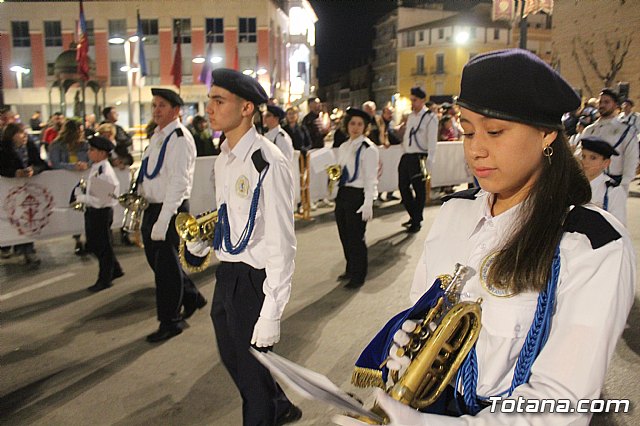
{"x":273,"y":40}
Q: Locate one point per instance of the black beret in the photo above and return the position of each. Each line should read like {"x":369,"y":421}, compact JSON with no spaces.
{"x":172,"y":97}
{"x":598,"y":145}
{"x":276,"y":111}
{"x":516,"y":85}
{"x":101,"y":143}
{"x":240,"y":85}
{"x":629,"y":101}
{"x":611,"y":93}
{"x":418,"y":92}
{"x":355,"y":112}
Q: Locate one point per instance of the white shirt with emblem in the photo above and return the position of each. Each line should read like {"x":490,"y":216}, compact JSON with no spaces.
{"x":367,"y":169}
{"x":173,"y":183}
{"x":425,"y":137}
{"x":272,"y":245}
{"x":594,"y":296}
{"x":282,"y":140}
{"x":611,"y":130}
{"x":102,"y":170}
{"x":617,"y":198}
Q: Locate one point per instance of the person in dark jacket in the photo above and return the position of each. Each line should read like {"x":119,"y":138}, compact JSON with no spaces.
{"x":202,"y":137}
{"x":19,"y":157}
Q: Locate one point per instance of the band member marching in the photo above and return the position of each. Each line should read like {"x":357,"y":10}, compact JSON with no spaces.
{"x":420,"y":139}
{"x":358,"y":188}
{"x":166,"y":179}
{"x":555,"y":277}
{"x":255,"y":243}
{"x":272,"y":118}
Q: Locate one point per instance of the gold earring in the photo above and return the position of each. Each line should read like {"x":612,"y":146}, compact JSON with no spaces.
{"x":548,"y":152}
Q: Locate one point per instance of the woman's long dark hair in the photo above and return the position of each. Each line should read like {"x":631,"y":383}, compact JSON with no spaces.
{"x":9,"y":132}
{"x":524,"y":263}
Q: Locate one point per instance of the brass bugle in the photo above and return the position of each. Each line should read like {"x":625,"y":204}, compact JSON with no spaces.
{"x":191,"y":228}
{"x":334,"y":171}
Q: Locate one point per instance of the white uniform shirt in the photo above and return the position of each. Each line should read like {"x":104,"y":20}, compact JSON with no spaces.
{"x":368,"y":168}
{"x":631,"y":119}
{"x":102,"y":170}
{"x":594,"y":296}
{"x":425,"y":137}
{"x":173,"y":183}
{"x":272,"y":245}
{"x":611,"y":130}
{"x":617,"y":199}
{"x":282,"y":141}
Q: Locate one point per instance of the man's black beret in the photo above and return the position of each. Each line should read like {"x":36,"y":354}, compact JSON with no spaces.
{"x":598,"y":145}
{"x":355,"y":112}
{"x":611,"y":93}
{"x":240,"y":85}
{"x":101,"y":143}
{"x":172,"y":97}
{"x":276,"y":111}
{"x":418,"y":92}
{"x":516,"y":85}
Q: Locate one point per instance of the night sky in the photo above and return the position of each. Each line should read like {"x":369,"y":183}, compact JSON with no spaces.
{"x":345,"y":31}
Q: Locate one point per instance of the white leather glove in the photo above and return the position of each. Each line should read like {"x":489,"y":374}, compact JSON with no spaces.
{"x":266,"y":332}
{"x":81,"y":198}
{"x":198,"y":248}
{"x":159,"y":230}
{"x":366,"y":209}
{"x":399,"y":413}
{"x":401,"y":338}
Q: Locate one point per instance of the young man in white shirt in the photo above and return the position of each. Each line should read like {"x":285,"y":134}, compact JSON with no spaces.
{"x":272,"y":118}
{"x":255,"y":243}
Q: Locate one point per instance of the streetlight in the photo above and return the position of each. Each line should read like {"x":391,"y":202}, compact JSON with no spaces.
{"x":127,"y":68}
{"x":19,"y":72}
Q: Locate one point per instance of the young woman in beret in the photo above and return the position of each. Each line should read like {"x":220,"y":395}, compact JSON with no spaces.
{"x":555,"y":276}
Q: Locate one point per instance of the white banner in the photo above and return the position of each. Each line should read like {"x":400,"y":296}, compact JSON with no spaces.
{"x":37,"y":208}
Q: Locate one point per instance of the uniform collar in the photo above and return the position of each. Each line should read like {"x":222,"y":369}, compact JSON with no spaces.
{"x":243,"y":147}
{"x":357,"y":141}
{"x":168,"y":128}
{"x":483,"y":215}
{"x":273,"y":132}
{"x":419,"y":113}
{"x":599,"y":180}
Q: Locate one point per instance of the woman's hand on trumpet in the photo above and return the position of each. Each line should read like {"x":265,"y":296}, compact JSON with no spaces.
{"x":399,"y":414}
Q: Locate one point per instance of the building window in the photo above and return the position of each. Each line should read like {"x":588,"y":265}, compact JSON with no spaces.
{"x":440,"y":63}
{"x":118,"y":78}
{"x":90,"y":32}
{"x":440,"y":33}
{"x":420,"y":65}
{"x":20,"y":34}
{"x":409,"y":39}
{"x":185,"y":30}
{"x":51,"y":68}
{"x":117,"y":28}
{"x":52,"y":33}
{"x":247,"y":30}
{"x":215,"y":30}
{"x":420,"y":35}
{"x":496,"y":34}
{"x":150,"y":30}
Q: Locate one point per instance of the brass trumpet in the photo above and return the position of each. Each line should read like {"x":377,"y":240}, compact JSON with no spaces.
{"x":189,"y":229}
{"x":75,"y":204}
{"x":437,"y":348}
{"x":334,"y":171}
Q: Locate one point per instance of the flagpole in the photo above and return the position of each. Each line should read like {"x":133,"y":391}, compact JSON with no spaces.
{"x":523,"y":26}
{"x":141,"y":140}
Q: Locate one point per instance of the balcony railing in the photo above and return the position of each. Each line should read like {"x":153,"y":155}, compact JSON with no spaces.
{"x":418,"y":71}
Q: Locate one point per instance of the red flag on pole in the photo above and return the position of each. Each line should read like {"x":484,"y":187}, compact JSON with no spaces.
{"x":176,"y":68}
{"x":82,"y":49}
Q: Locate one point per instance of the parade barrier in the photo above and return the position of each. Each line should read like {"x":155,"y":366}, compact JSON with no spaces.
{"x":37,"y":208}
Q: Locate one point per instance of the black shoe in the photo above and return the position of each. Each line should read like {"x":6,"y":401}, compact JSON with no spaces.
{"x":345,"y":276}
{"x":124,"y":239}
{"x":293,"y":414}
{"x":117,"y":274}
{"x":392,"y":197}
{"x":189,"y":310}
{"x":413,"y":229}
{"x":99,"y":286}
{"x":407,"y":224}
{"x":164,"y":334}
{"x":353,"y":284}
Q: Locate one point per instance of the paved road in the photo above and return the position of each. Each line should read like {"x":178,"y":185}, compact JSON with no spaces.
{"x":74,"y":358}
